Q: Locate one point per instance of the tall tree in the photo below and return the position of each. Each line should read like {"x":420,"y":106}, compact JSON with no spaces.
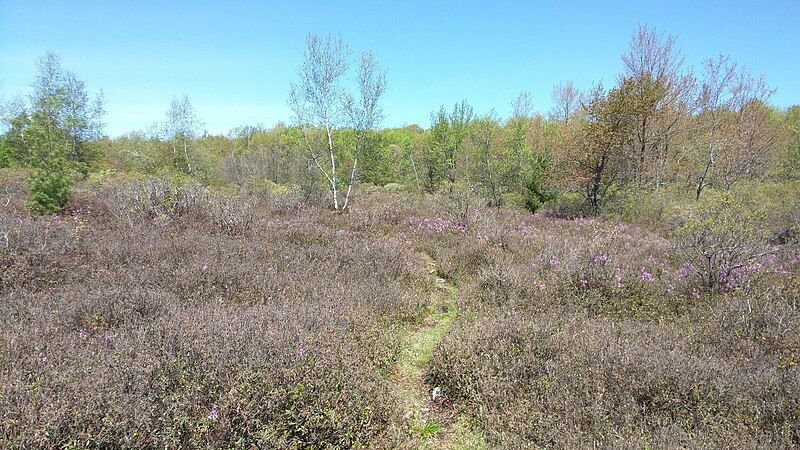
{"x":53,"y":132}
{"x":518,"y":150}
{"x":566,"y":100}
{"x":449,"y":132}
{"x":733,"y":137}
{"x":600,"y":162}
{"x":320,"y":103}
{"x":364,"y":113}
{"x":182,"y":128}
{"x":483,"y":135}
{"x":661,"y":100}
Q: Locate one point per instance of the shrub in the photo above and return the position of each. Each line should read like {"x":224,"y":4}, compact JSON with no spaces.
{"x":566,"y":381}
{"x":137,"y":319}
{"x":581,"y":333}
{"x":725,"y":236}
{"x":49,"y":190}
{"x":5,"y":155}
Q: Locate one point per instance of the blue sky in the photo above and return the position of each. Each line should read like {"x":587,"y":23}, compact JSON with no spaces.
{"x":235,"y":60}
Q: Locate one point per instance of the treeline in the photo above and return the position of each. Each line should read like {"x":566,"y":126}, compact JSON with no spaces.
{"x":659,"y":126}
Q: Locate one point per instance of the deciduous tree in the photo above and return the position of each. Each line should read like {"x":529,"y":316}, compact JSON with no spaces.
{"x":319,"y":102}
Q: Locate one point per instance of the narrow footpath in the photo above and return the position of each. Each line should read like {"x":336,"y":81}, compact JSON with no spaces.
{"x":431,"y":426}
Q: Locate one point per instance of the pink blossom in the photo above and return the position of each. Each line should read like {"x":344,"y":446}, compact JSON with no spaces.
{"x":301,"y":351}
{"x":601,"y":258}
{"x":204,"y":268}
{"x":584,"y":282}
{"x":686,"y":270}
{"x":618,"y":279}
{"x":554,"y":261}
{"x":753,"y":266}
{"x":647,"y":276}
{"x":214,"y":414}
{"x":542,"y":286}
{"x":83,"y":334}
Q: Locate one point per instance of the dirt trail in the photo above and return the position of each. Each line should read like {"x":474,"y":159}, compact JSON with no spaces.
{"x":431,"y":426}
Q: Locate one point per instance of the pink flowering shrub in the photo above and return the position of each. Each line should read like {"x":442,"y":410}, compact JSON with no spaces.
{"x":149,"y":322}
{"x":595,"y":333}
{"x":436,"y":225}
{"x":149,"y":315}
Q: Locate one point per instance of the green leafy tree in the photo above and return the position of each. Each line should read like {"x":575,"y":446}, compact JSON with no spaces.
{"x":518,"y":148}
{"x":406,"y":148}
{"x":5,"y":153}
{"x":448,"y":135}
{"x":483,"y":136}
{"x":182,"y":129}
{"x":537,"y":189}
{"x":789,"y":164}
{"x":600,"y":161}
{"x":50,"y":188}
{"x":53,"y":133}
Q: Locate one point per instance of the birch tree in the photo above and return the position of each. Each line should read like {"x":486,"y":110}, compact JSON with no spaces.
{"x":320,"y":103}
{"x":53,"y":133}
{"x":364,"y":113}
{"x":182,"y":127}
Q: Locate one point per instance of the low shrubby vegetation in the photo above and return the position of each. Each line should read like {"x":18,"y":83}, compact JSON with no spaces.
{"x":159,"y":315}
{"x":598,"y":333}
{"x":153,"y":313}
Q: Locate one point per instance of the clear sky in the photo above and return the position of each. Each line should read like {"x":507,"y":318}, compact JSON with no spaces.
{"x":235,"y":59}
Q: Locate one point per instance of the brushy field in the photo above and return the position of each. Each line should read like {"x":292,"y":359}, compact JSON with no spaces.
{"x":171,"y":317}
{"x":150,"y":315}
{"x":584,"y":333}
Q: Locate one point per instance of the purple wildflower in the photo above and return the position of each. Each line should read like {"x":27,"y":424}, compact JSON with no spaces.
{"x":753,"y":266}
{"x":686,"y":270}
{"x":214,"y":414}
{"x":647,"y":276}
{"x":618,"y":279}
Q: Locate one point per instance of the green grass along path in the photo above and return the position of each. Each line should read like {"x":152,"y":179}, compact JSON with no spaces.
{"x":429,"y":426}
